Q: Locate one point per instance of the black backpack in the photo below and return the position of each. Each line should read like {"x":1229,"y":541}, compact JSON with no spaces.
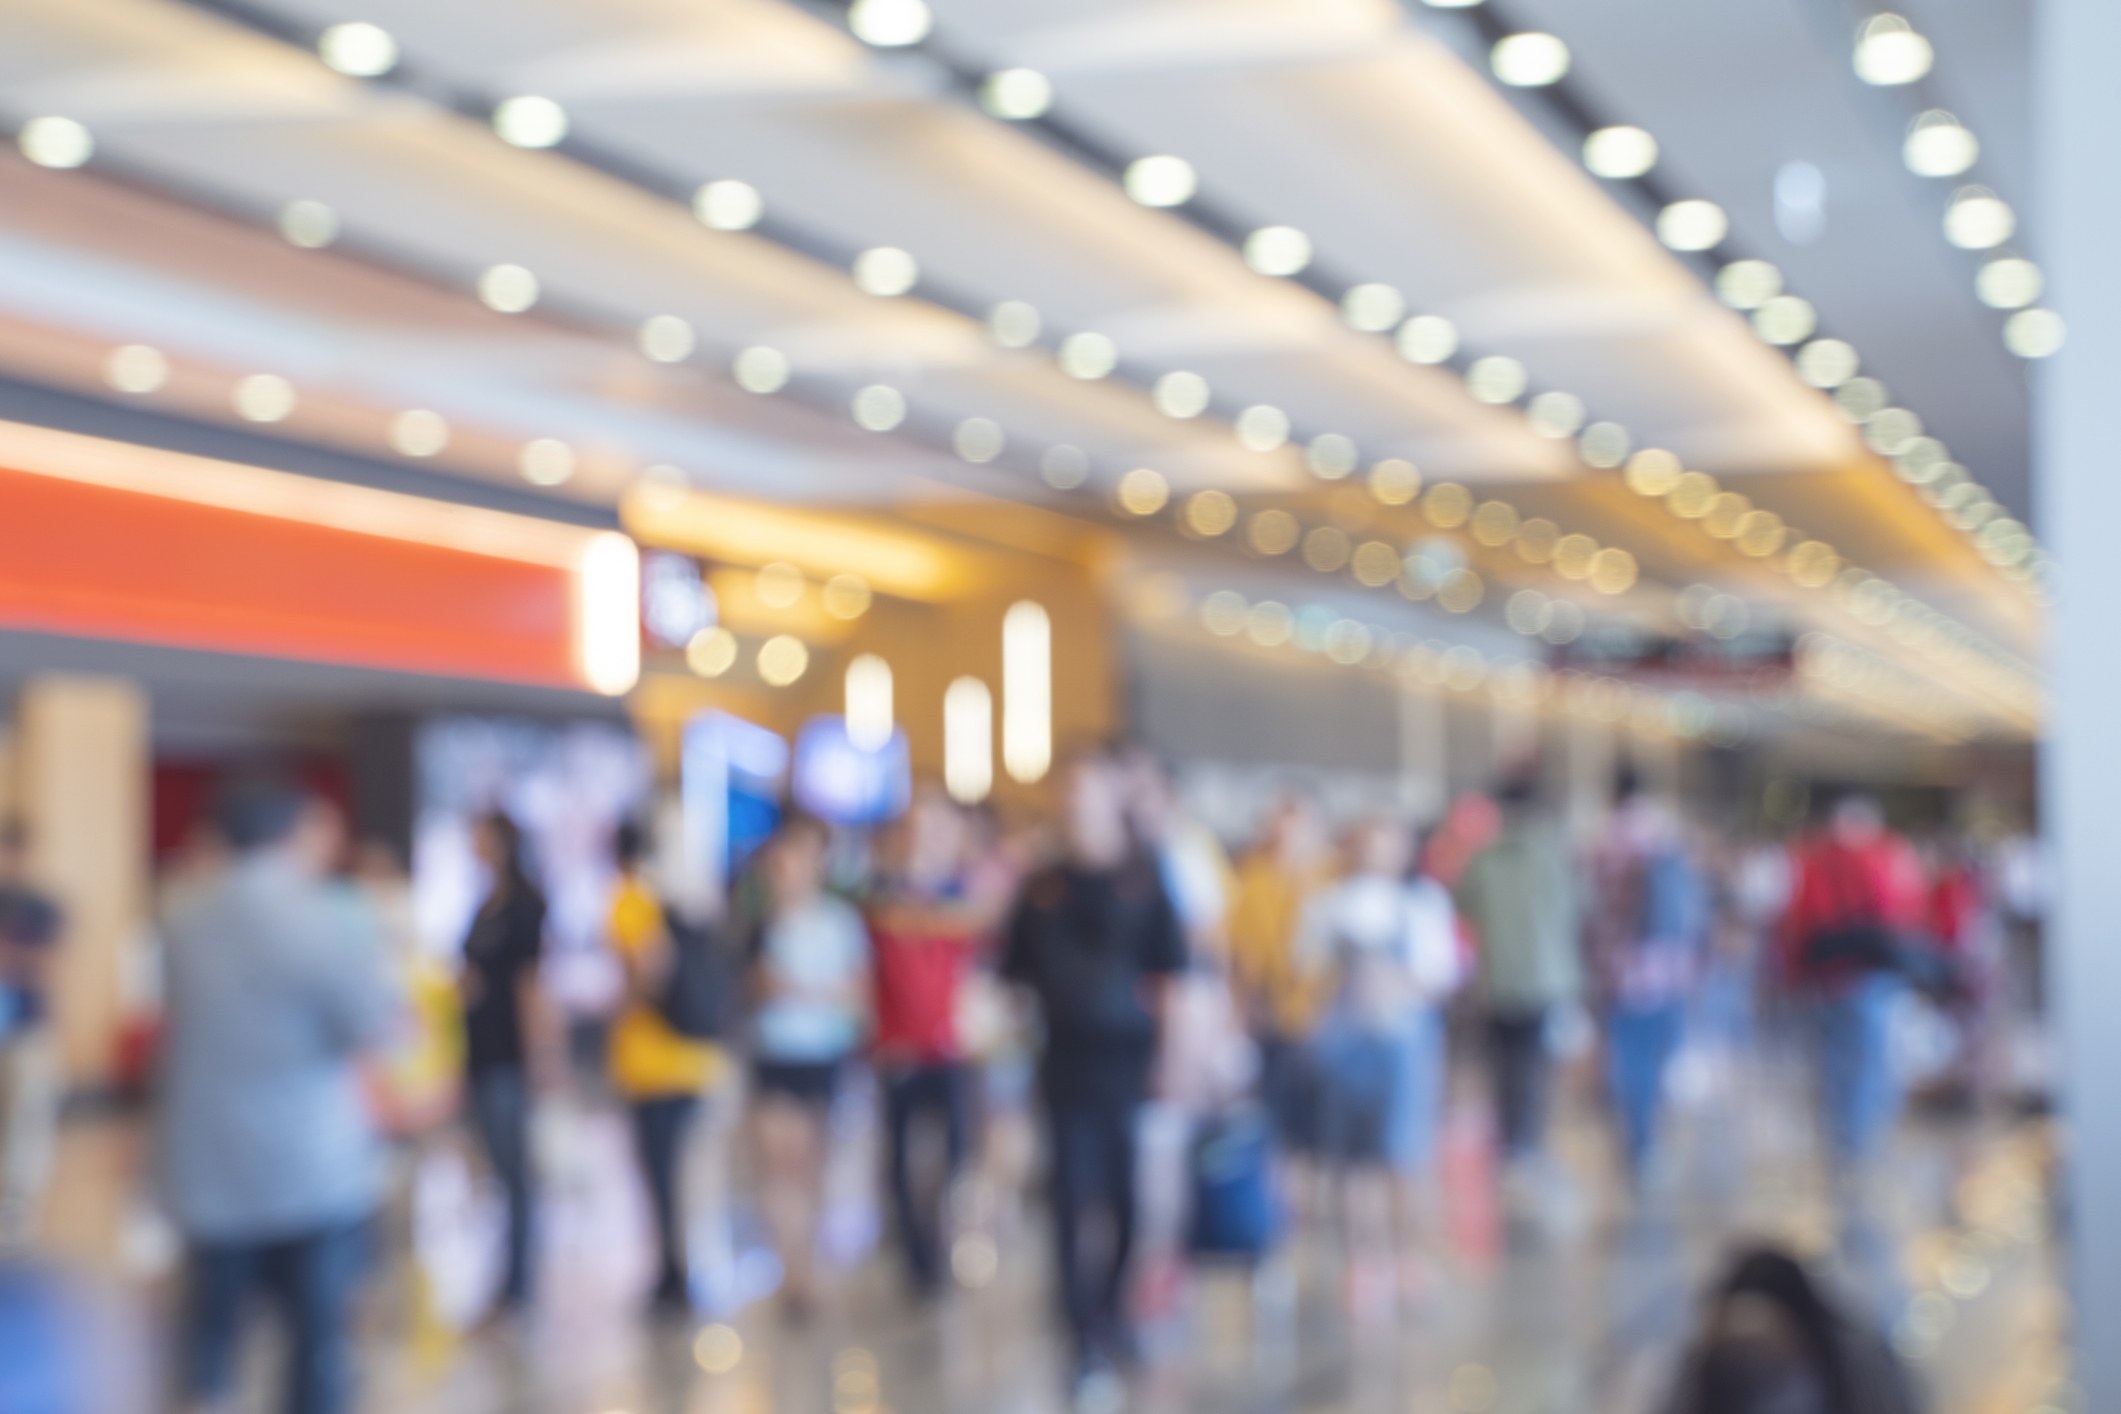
{"x":701,"y":994}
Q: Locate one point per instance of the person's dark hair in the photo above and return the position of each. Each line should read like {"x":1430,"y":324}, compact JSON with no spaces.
{"x":1627,"y":784}
{"x":1519,"y":791}
{"x":254,"y":812}
{"x":1740,"y":1371}
{"x":509,"y":836}
{"x":629,"y":843}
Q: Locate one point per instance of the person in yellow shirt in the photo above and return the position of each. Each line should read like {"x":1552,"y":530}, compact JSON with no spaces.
{"x":1284,"y":993}
{"x":659,"y":1072}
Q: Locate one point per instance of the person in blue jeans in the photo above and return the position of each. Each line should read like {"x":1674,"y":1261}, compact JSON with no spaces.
{"x":269,"y":1163}
{"x":1645,"y":934}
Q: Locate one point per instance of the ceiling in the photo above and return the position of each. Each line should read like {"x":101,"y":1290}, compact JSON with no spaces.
{"x":1373,"y":128}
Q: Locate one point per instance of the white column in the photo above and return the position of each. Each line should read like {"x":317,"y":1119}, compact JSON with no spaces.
{"x":2078,"y":504}
{"x":82,"y":766}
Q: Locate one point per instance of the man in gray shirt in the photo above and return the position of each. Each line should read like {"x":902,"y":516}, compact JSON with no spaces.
{"x":270,"y":1164}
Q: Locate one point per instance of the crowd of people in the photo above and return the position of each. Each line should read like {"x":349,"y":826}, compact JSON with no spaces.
{"x":1318,"y":991}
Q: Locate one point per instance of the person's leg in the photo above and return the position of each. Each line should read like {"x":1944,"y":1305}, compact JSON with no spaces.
{"x":217,"y":1284}
{"x":1510,"y":1036}
{"x":501,"y":1107}
{"x":30,"y":1089}
{"x":1876,"y":1100}
{"x":906,"y":1094}
{"x":314,"y":1279}
{"x":1629,"y":1042}
{"x":1121,"y":1162}
{"x":1071,"y":1183}
{"x":791,"y":1155}
{"x":659,"y":1127}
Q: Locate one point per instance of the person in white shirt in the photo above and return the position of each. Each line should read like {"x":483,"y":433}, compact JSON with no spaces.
{"x":1392,"y":942}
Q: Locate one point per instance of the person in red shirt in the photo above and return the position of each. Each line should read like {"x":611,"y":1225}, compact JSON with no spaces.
{"x":926,"y":933}
{"x":1857,"y":884}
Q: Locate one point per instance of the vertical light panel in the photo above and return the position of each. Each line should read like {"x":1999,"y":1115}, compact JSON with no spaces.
{"x":1027,"y":691}
{"x":869,"y":702}
{"x":608,"y":614}
{"x":968,"y":740}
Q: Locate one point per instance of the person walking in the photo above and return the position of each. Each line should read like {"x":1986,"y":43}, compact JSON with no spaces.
{"x":1519,"y":895}
{"x":811,"y":978}
{"x":270,"y":1165}
{"x":1283,"y":991}
{"x":30,"y":1082}
{"x":1094,"y":941}
{"x":1859,"y":897}
{"x":1645,"y":931}
{"x":509,"y":1053}
{"x":926,"y":933}
{"x":660,"y":1073}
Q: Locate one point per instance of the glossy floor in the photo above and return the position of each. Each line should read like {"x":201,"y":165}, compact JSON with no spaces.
{"x":1561,"y":1296}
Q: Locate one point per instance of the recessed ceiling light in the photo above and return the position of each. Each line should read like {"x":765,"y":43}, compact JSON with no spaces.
{"x":1692,"y":225}
{"x":1017,"y":94}
{"x":1619,"y":153}
{"x":56,"y":142}
{"x":885,"y":271}
{"x":358,"y":50}
{"x":2034,"y":333}
{"x":1530,"y":60}
{"x":1181,"y":394}
{"x":1978,"y":219}
{"x":890,"y":24}
{"x":1889,"y":52}
{"x":1014,"y":324}
{"x":1278,"y":250}
{"x":530,"y":121}
{"x":1937,"y":146}
{"x":728,"y":205}
{"x":2009,"y":282}
{"x":760,"y":369}
{"x":1427,"y":338}
{"x":1372,"y":308}
{"x":309,"y":224}
{"x":508,"y":289}
{"x":1161,"y":181}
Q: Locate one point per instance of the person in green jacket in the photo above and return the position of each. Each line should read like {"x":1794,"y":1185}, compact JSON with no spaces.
{"x":1520,"y":897}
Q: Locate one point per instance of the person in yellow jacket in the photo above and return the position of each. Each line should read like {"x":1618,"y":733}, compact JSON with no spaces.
{"x":659,"y":1072}
{"x":1284,"y":992}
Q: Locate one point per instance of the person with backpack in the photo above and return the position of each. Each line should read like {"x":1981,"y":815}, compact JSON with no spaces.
{"x":1644,"y":935}
{"x":1094,"y":940}
{"x":1855,"y":912}
{"x":655,"y":1065}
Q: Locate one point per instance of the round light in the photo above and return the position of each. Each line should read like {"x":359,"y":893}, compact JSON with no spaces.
{"x":1372,"y":308}
{"x":847,"y":596}
{"x":1653,"y":472}
{"x":1277,"y":250}
{"x":55,"y":142}
{"x":1331,"y":456}
{"x":546,"y":461}
{"x":1461,"y":593}
{"x":1526,"y":611}
{"x":1210,"y":513}
{"x":1691,"y":495}
{"x":1262,"y":428}
{"x":979,"y":439}
{"x":1494,"y":523}
{"x":1785,"y":319}
{"x":1812,"y":564}
{"x":782,"y":659}
{"x":1937,"y":146}
{"x":1017,"y":94}
{"x":1827,"y":363}
{"x":1573,"y":556}
{"x":718,"y":1349}
{"x":890,"y":24}
{"x":1375,"y":563}
{"x":1427,"y":338}
{"x":1922,"y":461}
{"x":760,"y":369}
{"x":1446,"y":505}
{"x":1556,"y":415}
{"x":1724,"y":515}
{"x":1692,"y":225}
{"x":2034,"y":333}
{"x":711,"y":652}
{"x":1064,"y":467}
{"x":1748,"y":284}
{"x":2009,"y":282}
{"x":1347,"y":642}
{"x":1565,"y":622}
{"x":1269,"y":624}
{"x":1603,"y":444}
{"x":1860,"y":399}
{"x":885,"y":271}
{"x":1143,"y":492}
{"x":264,"y":397}
{"x":309,"y":224}
{"x":1496,"y":379}
{"x":1014,"y":324}
{"x":507,"y":289}
{"x":418,"y":432}
{"x":1395,"y":481}
{"x":879,"y":407}
{"x":1978,"y":219}
{"x":1273,"y":532}
{"x":1531,"y":60}
{"x":1889,"y":52}
{"x":1161,"y":181}
{"x":1612,"y":571}
{"x":1891,"y":431}
{"x":136,"y":368}
{"x":1536,"y":539}
{"x":530,"y":121}
{"x":1223,"y":613}
{"x":728,"y":205}
{"x":1760,"y":534}
{"x":1327,"y":548}
{"x":1619,"y":153}
{"x":1087,"y":356}
{"x":358,"y":50}
{"x":779,"y":585}
{"x":1180,"y":394}
{"x":667,"y":338}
